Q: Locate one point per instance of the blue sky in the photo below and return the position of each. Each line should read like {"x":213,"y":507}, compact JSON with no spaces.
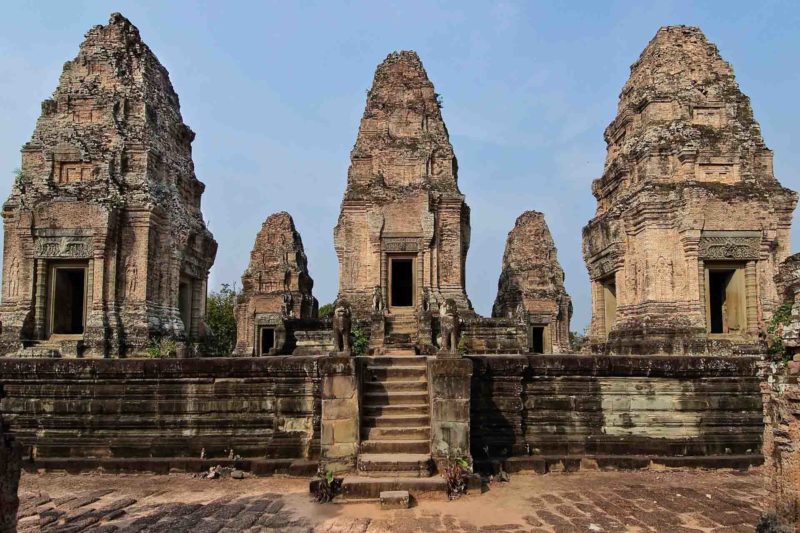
{"x":275,"y":91}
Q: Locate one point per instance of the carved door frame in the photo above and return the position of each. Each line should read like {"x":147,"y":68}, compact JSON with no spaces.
{"x":52,"y":268}
{"x":390,"y":258}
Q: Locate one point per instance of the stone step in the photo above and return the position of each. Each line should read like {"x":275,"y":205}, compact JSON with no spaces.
{"x":395,"y":499}
{"x":394,"y":359}
{"x":401,"y":350}
{"x":405,"y":420}
{"x":395,"y":464}
{"x":397,"y":372}
{"x":395,"y":386}
{"x":395,"y":446}
{"x":379,"y":399}
{"x":398,"y":339}
{"x":395,"y":409}
{"x":396,"y":433}
{"x":361,"y":488}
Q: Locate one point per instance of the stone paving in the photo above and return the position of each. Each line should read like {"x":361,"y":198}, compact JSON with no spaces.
{"x":674,"y":501}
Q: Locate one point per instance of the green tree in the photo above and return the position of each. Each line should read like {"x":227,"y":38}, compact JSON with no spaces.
{"x":326,"y":311}
{"x":221,"y":321}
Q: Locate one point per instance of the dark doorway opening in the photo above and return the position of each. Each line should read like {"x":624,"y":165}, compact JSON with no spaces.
{"x":537,"y":339}
{"x":267,"y":340}
{"x":69,"y":300}
{"x":185,"y":304}
{"x":718,"y":281}
{"x":402,"y":283}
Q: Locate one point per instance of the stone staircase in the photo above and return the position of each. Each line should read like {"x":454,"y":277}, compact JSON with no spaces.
{"x":401,"y":333}
{"x":395,"y":416}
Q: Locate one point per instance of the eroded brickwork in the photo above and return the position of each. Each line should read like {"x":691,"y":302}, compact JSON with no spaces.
{"x":10,"y":467}
{"x":275,"y":287}
{"x":691,"y":222}
{"x":105,"y":244}
{"x":402,"y":199}
{"x":531,"y":285}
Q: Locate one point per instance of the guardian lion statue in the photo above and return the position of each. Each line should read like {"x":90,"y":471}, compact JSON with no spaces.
{"x":449,"y":327}
{"x":342,"y":324}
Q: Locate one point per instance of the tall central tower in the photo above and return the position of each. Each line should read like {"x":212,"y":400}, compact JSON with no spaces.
{"x":403,"y":231}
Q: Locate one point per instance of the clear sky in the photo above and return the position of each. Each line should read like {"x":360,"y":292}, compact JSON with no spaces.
{"x":275,"y":91}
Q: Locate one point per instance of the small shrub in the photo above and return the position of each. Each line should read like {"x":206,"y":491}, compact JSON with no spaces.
{"x":462,"y":344}
{"x":327,"y":486}
{"x":774,"y":334}
{"x":360,"y":341}
{"x":456,"y":472}
{"x":162,"y":348}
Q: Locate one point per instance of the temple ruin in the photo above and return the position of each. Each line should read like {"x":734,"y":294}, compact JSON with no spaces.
{"x":691,"y":222}
{"x":276,"y":287}
{"x":106,"y":250}
{"x":105,"y":244}
{"x":403,"y":231}
{"x":531,"y":286}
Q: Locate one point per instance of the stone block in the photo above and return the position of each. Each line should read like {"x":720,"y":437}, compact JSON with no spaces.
{"x":450,"y":410}
{"x":395,"y":499}
{"x":338,"y":387}
{"x":345,"y":430}
{"x":338,"y":451}
{"x":338,"y":409}
{"x":450,"y":437}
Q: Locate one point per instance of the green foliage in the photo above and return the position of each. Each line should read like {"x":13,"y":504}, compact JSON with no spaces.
{"x":326,"y":311}
{"x":162,"y":348}
{"x":221,"y":321}
{"x":326,"y":486}
{"x":781,"y":318}
{"x":576,"y":341}
{"x":360,"y":341}
{"x":19,"y":179}
{"x":457,"y":470}
{"x":462,"y":344}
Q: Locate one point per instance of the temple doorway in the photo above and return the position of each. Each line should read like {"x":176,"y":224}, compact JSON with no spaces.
{"x":401,"y":282}
{"x":725,"y":302}
{"x":609,"y":288}
{"x":267,"y":341}
{"x":67,"y":302}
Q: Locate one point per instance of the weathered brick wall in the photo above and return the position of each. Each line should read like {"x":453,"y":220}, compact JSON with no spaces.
{"x":264,"y":408}
{"x":782,"y":434}
{"x":617,"y":409}
{"x":10,"y":460}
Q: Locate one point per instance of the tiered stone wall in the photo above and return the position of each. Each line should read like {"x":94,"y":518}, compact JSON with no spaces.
{"x":284,"y":413}
{"x":568,"y":410}
{"x":10,"y":462}
{"x":782,"y":406}
{"x":107,"y":412}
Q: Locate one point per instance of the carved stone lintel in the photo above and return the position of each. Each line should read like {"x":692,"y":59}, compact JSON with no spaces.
{"x":401,"y":245}
{"x":729,"y":247}
{"x":62,"y":247}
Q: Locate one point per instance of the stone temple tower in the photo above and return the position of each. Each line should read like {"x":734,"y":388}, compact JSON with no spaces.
{"x":276,"y":287}
{"x":532,"y":285}
{"x":403,"y":230}
{"x":691,"y":222}
{"x":105,"y":245}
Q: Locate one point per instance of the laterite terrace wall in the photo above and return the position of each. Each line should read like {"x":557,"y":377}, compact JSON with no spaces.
{"x":618,"y":411}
